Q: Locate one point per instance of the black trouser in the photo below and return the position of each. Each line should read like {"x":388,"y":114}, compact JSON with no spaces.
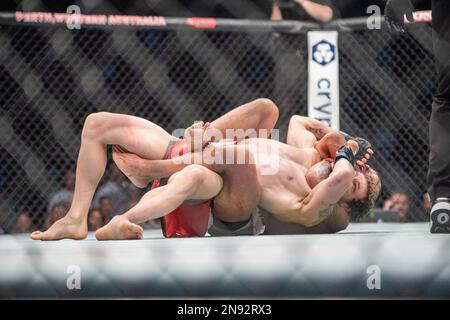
{"x":439,"y":170}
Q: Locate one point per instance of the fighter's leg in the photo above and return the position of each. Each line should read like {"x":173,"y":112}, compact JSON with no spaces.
{"x":240,"y":194}
{"x":241,"y":190}
{"x":100,"y":129}
{"x":257,"y":114}
{"x":193,"y":182}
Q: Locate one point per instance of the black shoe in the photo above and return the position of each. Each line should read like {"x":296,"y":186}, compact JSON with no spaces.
{"x":440,"y":216}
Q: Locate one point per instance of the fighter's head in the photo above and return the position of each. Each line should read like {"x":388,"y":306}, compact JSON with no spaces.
{"x":363,"y":193}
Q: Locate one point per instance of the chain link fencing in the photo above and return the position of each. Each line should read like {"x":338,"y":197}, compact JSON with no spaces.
{"x":52,"y":78}
{"x":386,"y":87}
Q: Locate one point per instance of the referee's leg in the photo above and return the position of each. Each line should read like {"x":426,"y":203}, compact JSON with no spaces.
{"x":439,"y":167}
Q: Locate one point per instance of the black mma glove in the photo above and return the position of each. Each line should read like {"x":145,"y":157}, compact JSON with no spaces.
{"x":347,"y":153}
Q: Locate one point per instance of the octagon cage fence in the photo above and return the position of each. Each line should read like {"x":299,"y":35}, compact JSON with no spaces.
{"x":174,"y":71}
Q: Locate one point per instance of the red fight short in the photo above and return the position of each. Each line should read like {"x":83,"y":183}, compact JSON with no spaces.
{"x":191,"y":219}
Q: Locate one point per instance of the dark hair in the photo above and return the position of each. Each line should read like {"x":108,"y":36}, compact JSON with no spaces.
{"x":359,"y":208}
{"x":104,"y":198}
{"x":62,"y":204}
{"x":93,"y":210}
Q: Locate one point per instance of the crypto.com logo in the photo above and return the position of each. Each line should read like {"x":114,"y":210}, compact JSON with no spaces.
{"x":323,"y":52}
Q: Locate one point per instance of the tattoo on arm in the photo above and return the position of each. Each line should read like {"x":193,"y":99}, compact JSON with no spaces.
{"x":317,"y":132}
{"x":323,"y":214}
{"x":323,"y":170}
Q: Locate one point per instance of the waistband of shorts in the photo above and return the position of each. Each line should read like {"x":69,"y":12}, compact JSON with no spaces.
{"x":172,"y":142}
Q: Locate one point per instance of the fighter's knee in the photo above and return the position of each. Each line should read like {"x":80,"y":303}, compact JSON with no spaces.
{"x":93,"y":125}
{"x":190,"y":176}
{"x":188,"y":179}
{"x":268,"y":106}
{"x":265,"y":102}
{"x":195,"y":173}
{"x":93,"y":122}
{"x":96,"y":118}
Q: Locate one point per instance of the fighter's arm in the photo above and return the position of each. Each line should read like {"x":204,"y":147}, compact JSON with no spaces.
{"x":319,"y":203}
{"x":336,"y":222}
{"x":304,"y":132}
{"x":319,"y":12}
{"x":276,"y":13}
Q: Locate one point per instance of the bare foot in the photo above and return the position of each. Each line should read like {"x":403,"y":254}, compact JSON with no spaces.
{"x":131,"y":166}
{"x":120,"y":228}
{"x":65,"y":228}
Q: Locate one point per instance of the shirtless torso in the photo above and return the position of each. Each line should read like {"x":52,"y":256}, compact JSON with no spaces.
{"x":282,"y":190}
{"x":286,"y":176}
{"x":235,"y":193}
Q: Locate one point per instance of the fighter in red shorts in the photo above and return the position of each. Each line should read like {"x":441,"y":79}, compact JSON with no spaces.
{"x":192,"y":217}
{"x":241,"y":220}
{"x":236,"y":192}
{"x":149,"y":141}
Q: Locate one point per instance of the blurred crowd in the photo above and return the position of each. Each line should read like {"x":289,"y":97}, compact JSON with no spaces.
{"x":114,"y":196}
